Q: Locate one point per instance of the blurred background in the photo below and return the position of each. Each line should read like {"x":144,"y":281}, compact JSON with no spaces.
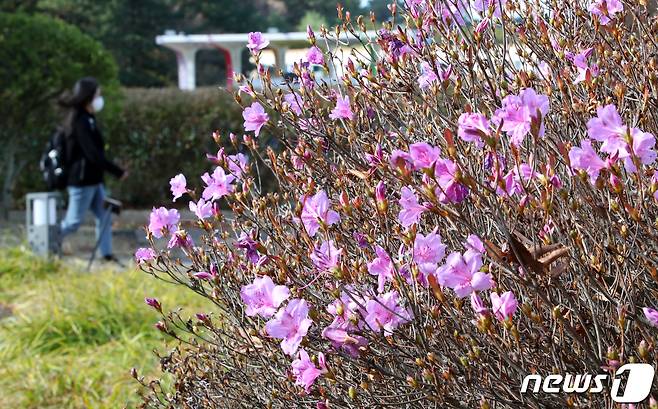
{"x":47,"y":44}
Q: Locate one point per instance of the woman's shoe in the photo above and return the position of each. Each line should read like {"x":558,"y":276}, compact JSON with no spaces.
{"x":111,"y":258}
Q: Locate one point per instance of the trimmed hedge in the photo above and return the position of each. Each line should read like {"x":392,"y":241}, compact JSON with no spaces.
{"x":162,"y":132}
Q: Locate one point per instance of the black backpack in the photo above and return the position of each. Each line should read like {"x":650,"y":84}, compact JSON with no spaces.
{"x":53,"y":162}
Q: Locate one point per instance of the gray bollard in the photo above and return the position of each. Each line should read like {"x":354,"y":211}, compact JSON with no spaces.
{"x":42,"y":222}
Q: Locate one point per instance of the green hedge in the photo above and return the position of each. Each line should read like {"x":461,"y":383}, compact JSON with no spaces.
{"x":162,"y":132}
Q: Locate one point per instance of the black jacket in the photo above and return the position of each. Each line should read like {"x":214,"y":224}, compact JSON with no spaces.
{"x":86,"y":153}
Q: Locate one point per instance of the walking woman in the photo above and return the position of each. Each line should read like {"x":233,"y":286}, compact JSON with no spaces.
{"x":87,"y":163}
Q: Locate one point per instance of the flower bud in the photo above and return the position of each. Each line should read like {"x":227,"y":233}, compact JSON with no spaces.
{"x":643,"y":350}
{"x":153,"y":302}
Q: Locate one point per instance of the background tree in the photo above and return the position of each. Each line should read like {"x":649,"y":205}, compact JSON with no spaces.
{"x":41,"y":57}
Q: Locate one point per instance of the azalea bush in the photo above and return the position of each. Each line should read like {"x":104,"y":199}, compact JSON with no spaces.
{"x":469,"y":201}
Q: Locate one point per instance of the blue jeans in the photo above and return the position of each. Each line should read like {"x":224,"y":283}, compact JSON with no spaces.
{"x":81,"y":199}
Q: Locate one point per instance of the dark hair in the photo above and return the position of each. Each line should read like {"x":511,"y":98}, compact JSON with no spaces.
{"x":83,"y":94}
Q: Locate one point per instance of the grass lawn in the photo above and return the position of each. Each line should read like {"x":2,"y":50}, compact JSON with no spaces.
{"x":72,"y":337}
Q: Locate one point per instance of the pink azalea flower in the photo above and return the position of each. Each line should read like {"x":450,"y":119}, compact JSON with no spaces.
{"x":254,"y":117}
{"x":423,"y":155}
{"x":337,"y":333}
{"x":462,"y":274}
{"x":428,"y":252}
{"x":178,"y":186}
{"x":382,"y":267}
{"x":482,"y":25}
{"x":411,"y":210}
{"x":218,"y":185}
{"x":472,"y":127}
{"x":449,"y":190}
{"x":162,"y":219}
{"x":585,"y":158}
{"x":651,"y":315}
{"x":342,"y":109}
{"x":314,"y":56}
{"x":385,"y":313}
{"x":180,"y":239}
{"x":316,"y":209}
{"x":290,"y":324}
{"x":154,"y":303}
{"x":201,"y":209}
{"x":400,"y":159}
{"x":144,"y":254}
{"x":305,"y":372}
{"x":203,"y":275}
{"x":478,"y":305}
{"x":518,"y":113}
{"x":605,"y":10}
{"x":428,"y":76}
{"x":608,"y":128}
{"x":474,"y":244}
{"x":256,"y":41}
{"x":247,"y":242}
{"x":583,"y":68}
{"x":545,"y":69}
{"x":262,"y":297}
{"x":503,"y":306}
{"x":237,"y":164}
{"x":293,"y":100}
{"x":327,"y":256}
{"x":643,"y":144}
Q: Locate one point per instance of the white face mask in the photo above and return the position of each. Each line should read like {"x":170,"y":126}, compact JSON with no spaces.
{"x":97,"y":104}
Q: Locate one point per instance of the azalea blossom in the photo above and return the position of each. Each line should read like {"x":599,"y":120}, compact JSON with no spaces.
{"x":247,"y":243}
{"x":304,"y":370}
{"x":178,"y":186}
{"x":162,"y":219}
{"x":449,"y":190}
{"x":290,"y":324}
{"x":316,"y":209}
{"x":411,"y":209}
{"x":327,"y":256}
{"x":462,"y":274}
{"x":254,"y":117}
{"x":144,"y":254}
{"x":651,"y":315}
{"x":583,"y":68}
{"x":385,"y":313}
{"x":605,"y":10}
{"x":423,"y":154}
{"x":237,"y":164}
{"x":180,"y":239}
{"x":400,"y":159}
{"x":382,"y":267}
{"x":503,"y":306}
{"x":608,"y":127}
{"x":472,"y":127}
{"x":262,"y":297}
{"x":292,"y":100}
{"x":643,"y":144}
{"x":585,"y":158}
{"x":202,"y":209}
{"x":342,"y":109}
{"x":218,"y":185}
{"x":428,"y":252}
{"x":478,"y":305}
{"x":314,"y":56}
{"x":518,"y":113}
{"x":338,"y":333}
{"x":428,"y":76}
{"x":256,"y":41}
